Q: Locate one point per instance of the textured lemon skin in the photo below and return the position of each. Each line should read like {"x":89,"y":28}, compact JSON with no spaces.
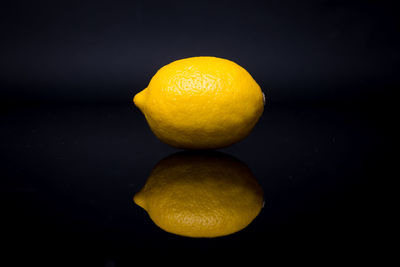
{"x":201,"y":103}
{"x":201,"y":195}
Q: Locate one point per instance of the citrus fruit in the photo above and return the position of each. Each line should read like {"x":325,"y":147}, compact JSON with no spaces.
{"x":201,"y":103}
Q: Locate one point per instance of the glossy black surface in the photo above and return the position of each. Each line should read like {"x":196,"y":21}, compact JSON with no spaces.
{"x":70,"y":172}
{"x":74,"y":150}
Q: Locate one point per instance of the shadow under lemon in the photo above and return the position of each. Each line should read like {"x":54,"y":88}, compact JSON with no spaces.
{"x":201,"y":194}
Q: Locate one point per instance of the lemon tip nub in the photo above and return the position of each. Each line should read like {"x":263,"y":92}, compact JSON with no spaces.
{"x":139,"y":100}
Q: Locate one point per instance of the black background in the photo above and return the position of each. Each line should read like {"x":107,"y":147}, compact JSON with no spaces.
{"x":74,"y":149}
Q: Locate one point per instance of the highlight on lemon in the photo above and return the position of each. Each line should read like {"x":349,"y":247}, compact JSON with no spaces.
{"x":201,"y":194}
{"x":201,"y":103}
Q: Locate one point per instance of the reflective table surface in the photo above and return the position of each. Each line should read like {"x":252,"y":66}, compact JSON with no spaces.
{"x":70,"y":171}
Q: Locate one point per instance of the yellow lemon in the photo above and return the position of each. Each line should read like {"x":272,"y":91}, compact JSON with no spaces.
{"x":197,"y":194}
{"x":201,"y":103}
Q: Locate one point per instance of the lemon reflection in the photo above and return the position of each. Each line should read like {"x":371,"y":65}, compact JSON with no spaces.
{"x":201,"y":194}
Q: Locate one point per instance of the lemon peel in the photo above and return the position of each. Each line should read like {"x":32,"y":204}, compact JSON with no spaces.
{"x":201,"y":103}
